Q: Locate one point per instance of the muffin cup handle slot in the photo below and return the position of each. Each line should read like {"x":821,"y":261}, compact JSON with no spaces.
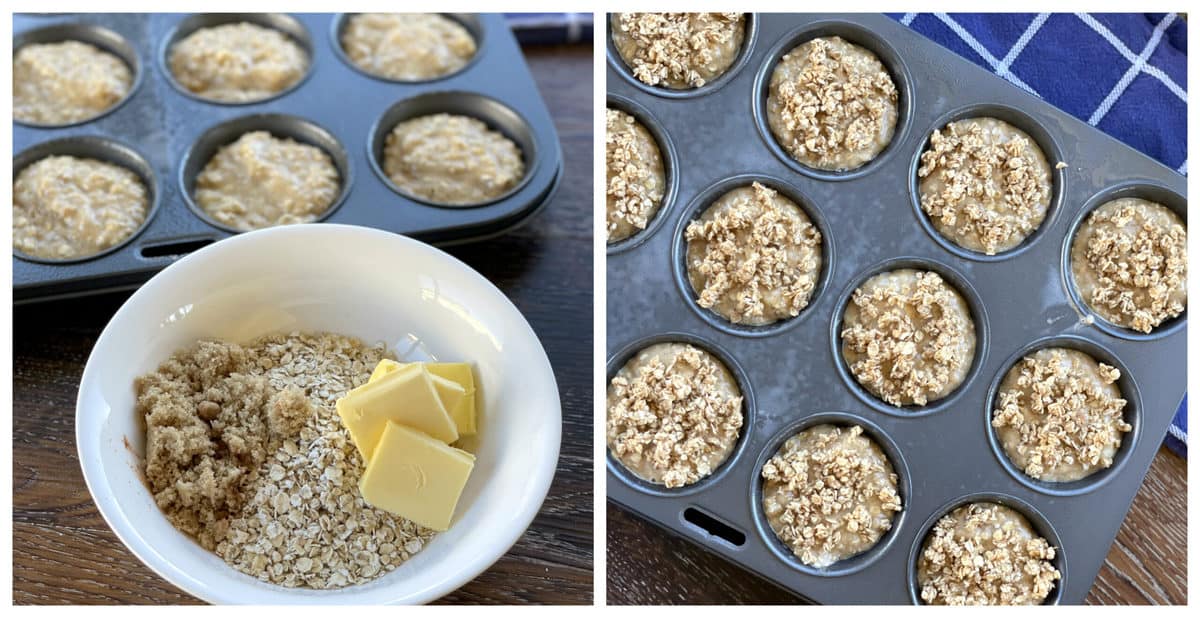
{"x":715,"y":528}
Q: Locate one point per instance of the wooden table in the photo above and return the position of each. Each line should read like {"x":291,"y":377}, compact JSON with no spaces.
{"x":1146,"y":565}
{"x":63,"y":552}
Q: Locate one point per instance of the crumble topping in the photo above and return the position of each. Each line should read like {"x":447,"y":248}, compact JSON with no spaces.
{"x":908,"y":337}
{"x":985,"y":184}
{"x":674,"y":414}
{"x":832,"y":104}
{"x":985,"y":554}
{"x":753,"y":256}
{"x":678,"y":50}
{"x":1129,"y":260}
{"x":829,"y":494}
{"x":636,"y":178}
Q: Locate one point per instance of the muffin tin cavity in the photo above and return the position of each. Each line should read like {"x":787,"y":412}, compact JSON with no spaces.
{"x":101,"y":149}
{"x":618,"y":65}
{"x":860,"y":561}
{"x":858,"y":35}
{"x":1132,"y":415}
{"x":1044,"y":140}
{"x":670,"y":160}
{"x":286,"y":24}
{"x":496,"y":115}
{"x":279,"y":126}
{"x":92,"y":34}
{"x":1037,"y":521}
{"x":618,"y":360}
{"x":1149,"y":190}
{"x":700,"y":204}
{"x":978,"y":315}
{"x":471,"y":22}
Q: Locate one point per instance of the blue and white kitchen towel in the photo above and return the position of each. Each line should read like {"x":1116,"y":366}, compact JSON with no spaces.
{"x":1125,"y":74}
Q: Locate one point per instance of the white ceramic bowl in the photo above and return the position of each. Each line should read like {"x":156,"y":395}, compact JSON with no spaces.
{"x":356,"y":281}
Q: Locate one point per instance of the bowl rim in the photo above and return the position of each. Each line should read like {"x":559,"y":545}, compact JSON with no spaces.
{"x":117,"y":520}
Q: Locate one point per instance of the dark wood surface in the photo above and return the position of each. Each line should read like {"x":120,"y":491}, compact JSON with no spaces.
{"x":1147,"y":563}
{"x":65,"y":553}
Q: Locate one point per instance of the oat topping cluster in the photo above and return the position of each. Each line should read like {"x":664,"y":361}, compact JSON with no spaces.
{"x":986,"y":554}
{"x":636,"y":179}
{"x":678,"y":50}
{"x":754,"y":256}
{"x":987,"y":184}
{"x":829,"y":494}
{"x":675,"y":416}
{"x":1060,"y":415}
{"x":1130,"y":263}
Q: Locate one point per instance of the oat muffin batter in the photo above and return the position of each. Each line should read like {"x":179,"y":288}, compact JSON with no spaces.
{"x":985,"y":184}
{"x":678,"y":50}
{"x":637,"y":180}
{"x":237,"y":63}
{"x":62,"y":83}
{"x":1059,"y":415}
{"x":407,"y":46}
{"x":985,"y":554}
{"x":261,"y":180}
{"x":831,"y":104}
{"x":908,"y":337}
{"x":753,"y":256}
{"x":829,"y":494}
{"x":65,"y":207}
{"x":451,"y":159}
{"x":674,"y":414}
{"x":1129,"y":261}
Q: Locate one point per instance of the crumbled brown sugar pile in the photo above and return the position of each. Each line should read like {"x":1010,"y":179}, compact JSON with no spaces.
{"x":986,"y":184}
{"x":829,"y":494}
{"x":908,"y":337}
{"x":678,"y":50}
{"x":246,"y":454}
{"x":636,"y":179}
{"x":753,"y":256}
{"x":674,"y":414}
{"x":1130,"y":263}
{"x":1059,"y":415}
{"x":985,"y":554}
{"x":832,"y":104}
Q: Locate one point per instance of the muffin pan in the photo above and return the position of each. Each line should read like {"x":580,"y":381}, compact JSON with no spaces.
{"x":792,"y":372}
{"x":166,"y":135}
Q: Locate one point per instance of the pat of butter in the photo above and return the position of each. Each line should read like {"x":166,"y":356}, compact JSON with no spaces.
{"x":407,"y":396}
{"x":416,"y":477}
{"x":463,"y":412}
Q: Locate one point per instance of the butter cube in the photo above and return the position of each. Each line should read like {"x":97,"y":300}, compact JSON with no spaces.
{"x":463,"y":412}
{"x":416,"y":477}
{"x":407,"y":396}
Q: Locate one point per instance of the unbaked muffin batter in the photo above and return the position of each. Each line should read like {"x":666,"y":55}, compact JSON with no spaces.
{"x":1129,"y":261}
{"x":65,"y":207}
{"x":62,"y":83}
{"x":261,"y":180}
{"x":407,"y":46}
{"x":1059,"y":415}
{"x":831,"y":104}
{"x":237,"y":63}
{"x":908,"y":337}
{"x":753,"y":256}
{"x":636,"y":178}
{"x":678,"y":50}
{"x":829,"y":494}
{"x":985,"y":184}
{"x":985,"y":554}
{"x":674,"y":414}
{"x":451,"y":159}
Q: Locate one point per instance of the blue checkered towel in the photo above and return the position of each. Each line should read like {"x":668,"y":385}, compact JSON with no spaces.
{"x":1128,"y":78}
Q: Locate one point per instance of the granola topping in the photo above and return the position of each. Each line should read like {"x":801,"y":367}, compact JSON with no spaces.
{"x":753,"y":256}
{"x":636,"y":178}
{"x":678,"y":50}
{"x":674,"y":414}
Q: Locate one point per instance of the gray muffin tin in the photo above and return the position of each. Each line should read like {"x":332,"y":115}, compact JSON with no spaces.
{"x":792,"y":373}
{"x":167,"y":135}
